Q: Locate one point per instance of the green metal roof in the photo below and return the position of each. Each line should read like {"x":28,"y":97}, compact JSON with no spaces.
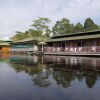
{"x":4,"y":44}
{"x":77,"y":34}
{"x":75,"y":38}
{"x":26,"y":40}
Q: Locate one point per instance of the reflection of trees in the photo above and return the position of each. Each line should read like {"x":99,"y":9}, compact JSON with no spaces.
{"x":38,"y":74}
{"x":27,"y":69}
{"x":64,"y":72}
{"x":91,"y":80}
{"x":63,"y":78}
{"x":41,"y":79}
{"x":80,"y":75}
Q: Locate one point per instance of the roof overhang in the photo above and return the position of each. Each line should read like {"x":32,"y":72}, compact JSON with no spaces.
{"x":84,"y":37}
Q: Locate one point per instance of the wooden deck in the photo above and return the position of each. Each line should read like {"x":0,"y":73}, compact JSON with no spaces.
{"x":73,"y":54}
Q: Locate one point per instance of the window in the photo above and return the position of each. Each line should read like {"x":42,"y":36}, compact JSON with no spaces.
{"x":80,"y":43}
{"x":63,"y":44}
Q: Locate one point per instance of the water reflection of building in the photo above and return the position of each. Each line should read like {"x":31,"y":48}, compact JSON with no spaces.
{"x":30,"y":65}
{"x":4,"y":55}
{"x":23,"y":60}
{"x":63,"y":70}
{"x":68,"y":68}
{"x":74,"y":62}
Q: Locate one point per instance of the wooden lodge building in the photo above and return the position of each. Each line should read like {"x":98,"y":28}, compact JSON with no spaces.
{"x":4,"y":47}
{"x":84,"y":43}
{"x":23,"y":46}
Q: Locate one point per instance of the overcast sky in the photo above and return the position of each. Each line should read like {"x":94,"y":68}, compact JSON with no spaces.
{"x":17,"y":15}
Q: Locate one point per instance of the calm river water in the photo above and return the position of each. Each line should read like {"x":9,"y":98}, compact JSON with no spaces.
{"x":49,"y":78}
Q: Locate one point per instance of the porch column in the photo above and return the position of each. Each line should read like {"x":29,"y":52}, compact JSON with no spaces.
{"x":81,"y":44}
{"x":42,"y":48}
{"x":94,"y":43}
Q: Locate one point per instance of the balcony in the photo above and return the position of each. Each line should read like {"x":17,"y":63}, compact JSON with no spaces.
{"x":89,"y":49}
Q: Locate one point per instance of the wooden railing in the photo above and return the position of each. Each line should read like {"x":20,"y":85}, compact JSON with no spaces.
{"x":60,"y":49}
{"x":73,"y":49}
{"x":21,"y":49}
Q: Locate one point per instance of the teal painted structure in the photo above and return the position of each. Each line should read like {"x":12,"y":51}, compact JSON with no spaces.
{"x":23,"y":46}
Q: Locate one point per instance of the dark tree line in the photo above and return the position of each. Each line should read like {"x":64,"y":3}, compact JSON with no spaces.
{"x":64,"y":26}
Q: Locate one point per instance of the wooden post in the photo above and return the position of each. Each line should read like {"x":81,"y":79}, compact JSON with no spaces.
{"x":42,"y":60}
{"x":42,"y":47}
{"x":94,"y":43}
{"x":81,"y":43}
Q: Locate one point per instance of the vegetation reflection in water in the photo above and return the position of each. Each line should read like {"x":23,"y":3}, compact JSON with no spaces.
{"x":63,"y":70}
{"x":49,"y":78}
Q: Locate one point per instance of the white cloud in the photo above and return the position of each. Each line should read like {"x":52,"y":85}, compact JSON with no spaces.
{"x":18,"y":14}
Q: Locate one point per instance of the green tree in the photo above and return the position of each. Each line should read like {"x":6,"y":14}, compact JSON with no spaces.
{"x":31,"y":33}
{"x":63,"y":27}
{"x":89,"y":25}
{"x":34,"y":33}
{"x":18,"y":36}
{"x":42,"y":25}
{"x":78,"y":27}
